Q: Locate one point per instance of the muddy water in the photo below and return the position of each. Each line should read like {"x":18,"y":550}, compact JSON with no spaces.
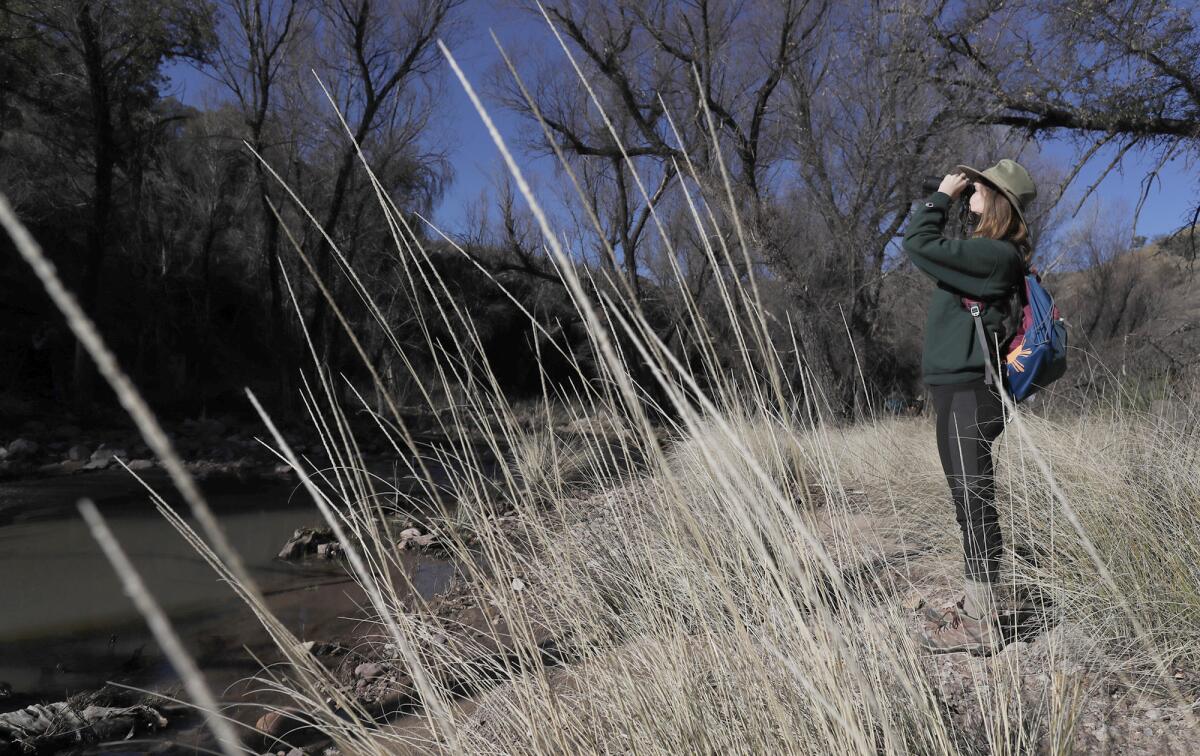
{"x":65,"y":624}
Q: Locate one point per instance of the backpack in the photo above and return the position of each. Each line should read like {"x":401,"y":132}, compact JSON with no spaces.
{"x":1037,"y":349}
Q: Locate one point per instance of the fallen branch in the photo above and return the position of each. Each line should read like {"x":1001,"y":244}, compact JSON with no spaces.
{"x":44,"y":728}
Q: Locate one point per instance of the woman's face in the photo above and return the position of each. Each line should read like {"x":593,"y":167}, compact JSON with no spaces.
{"x":978,"y":201}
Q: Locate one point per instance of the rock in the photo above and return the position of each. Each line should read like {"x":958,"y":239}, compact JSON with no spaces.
{"x":368,"y":670}
{"x":413,"y":537}
{"x":1068,"y":647}
{"x":141,"y":464}
{"x":322,"y":648}
{"x":3,"y":452}
{"x":22,"y":447}
{"x":305,"y":541}
{"x":73,"y":465}
{"x":287,"y":725}
{"x":518,"y":585}
{"x":101,"y":454}
{"x":78,"y":453}
{"x":100,"y":459}
{"x":103,"y":457}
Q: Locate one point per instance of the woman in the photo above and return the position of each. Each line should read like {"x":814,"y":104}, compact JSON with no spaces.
{"x":969,"y":411}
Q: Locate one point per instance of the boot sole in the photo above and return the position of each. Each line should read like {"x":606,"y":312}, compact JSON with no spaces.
{"x":972,"y":649}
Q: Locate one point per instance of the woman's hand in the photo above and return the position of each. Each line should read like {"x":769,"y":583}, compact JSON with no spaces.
{"x":953,"y":184}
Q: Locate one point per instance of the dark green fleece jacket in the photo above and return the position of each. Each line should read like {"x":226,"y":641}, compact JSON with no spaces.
{"x":977,"y":268}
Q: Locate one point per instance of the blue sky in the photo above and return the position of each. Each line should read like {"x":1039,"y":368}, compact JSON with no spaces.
{"x":476,"y":159}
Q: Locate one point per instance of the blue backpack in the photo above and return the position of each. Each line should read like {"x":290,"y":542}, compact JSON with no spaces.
{"x":1037,"y":352}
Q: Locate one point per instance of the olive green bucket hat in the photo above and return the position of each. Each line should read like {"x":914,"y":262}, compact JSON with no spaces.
{"x":1010,"y":178}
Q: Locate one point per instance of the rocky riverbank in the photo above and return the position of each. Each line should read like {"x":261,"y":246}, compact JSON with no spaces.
{"x":479,"y":660}
{"x":319,"y":602}
{"x":479,"y":627}
{"x":208,"y":446}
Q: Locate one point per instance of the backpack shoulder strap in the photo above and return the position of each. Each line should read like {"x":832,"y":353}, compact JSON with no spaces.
{"x":990,"y":377}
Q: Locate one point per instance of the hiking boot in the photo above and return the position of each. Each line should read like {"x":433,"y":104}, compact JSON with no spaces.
{"x":935,"y":615}
{"x":955,"y":630}
{"x":1007,"y":602}
{"x":979,"y":598}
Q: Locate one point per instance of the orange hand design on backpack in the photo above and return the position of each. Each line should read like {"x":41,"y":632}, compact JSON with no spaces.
{"x":1014,"y":358}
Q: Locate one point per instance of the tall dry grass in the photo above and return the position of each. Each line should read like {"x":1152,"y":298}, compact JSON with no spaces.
{"x":740,"y":579}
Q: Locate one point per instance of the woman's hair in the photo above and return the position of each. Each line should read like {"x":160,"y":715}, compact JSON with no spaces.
{"x":1000,"y":221}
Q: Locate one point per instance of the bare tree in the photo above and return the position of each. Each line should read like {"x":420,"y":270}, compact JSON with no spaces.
{"x":865,"y":126}
{"x":259,"y":38}
{"x":1112,"y":294}
{"x":191,"y":226}
{"x":660,"y":70}
{"x":676,"y":93}
{"x":824,"y":125}
{"x":379,"y":57}
{"x":102,"y":60}
{"x":1107,"y":72}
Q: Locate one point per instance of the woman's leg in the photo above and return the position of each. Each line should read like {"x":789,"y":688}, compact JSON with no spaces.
{"x":969,"y":418}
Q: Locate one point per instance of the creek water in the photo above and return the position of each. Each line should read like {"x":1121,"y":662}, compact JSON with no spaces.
{"x":67,"y":626}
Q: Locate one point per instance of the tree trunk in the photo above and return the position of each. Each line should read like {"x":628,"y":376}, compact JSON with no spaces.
{"x":103,"y":154}
{"x":277,"y":339}
{"x":210,"y":238}
{"x":324,"y":265}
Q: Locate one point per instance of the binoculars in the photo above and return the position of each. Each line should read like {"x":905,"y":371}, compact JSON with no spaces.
{"x":931,"y":184}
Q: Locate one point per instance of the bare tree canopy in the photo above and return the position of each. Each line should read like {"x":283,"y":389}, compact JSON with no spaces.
{"x":816,"y":113}
{"x":377,"y":57}
{"x":1123,"y":72}
{"x":712,"y":152}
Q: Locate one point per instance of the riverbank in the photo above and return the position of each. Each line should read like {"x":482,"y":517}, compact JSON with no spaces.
{"x":222,"y":446}
{"x":67,"y":626}
{"x":698,"y":610}
{"x":45,"y":449}
{"x":513,"y":638}
{"x":757,"y":596}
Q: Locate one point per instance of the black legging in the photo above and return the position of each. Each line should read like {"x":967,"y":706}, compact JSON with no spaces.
{"x":969,"y":418}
